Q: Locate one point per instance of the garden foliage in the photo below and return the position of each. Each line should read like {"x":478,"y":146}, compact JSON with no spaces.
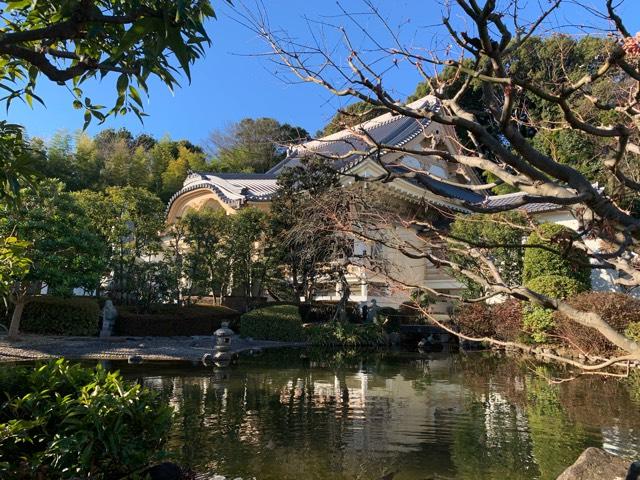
{"x":346,"y":334}
{"x":619,"y":310}
{"x":63,"y":421}
{"x":562,"y":260}
{"x":61,"y":316}
{"x":174,"y":320}
{"x":278,"y":322}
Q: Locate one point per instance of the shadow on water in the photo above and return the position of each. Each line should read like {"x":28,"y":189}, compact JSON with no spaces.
{"x":311,"y":414}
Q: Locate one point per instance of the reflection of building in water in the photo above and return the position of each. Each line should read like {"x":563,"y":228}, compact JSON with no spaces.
{"x":501,"y":416}
{"x":383,"y":413}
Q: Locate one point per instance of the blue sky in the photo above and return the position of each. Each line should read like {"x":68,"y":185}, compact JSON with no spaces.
{"x":232,"y":83}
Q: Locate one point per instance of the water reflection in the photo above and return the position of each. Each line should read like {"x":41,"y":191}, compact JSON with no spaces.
{"x":341,"y":416}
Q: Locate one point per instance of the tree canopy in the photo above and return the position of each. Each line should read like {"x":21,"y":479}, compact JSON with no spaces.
{"x":80,"y":40}
{"x":63,"y":253}
{"x":252,"y":145}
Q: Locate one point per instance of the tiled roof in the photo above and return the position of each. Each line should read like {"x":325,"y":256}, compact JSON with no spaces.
{"x":390,"y":129}
{"x":233,"y":188}
{"x":511,"y":199}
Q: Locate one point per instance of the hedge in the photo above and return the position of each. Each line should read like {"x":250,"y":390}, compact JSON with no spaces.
{"x":276,"y":322}
{"x":346,"y":334}
{"x":174,"y":321}
{"x":318,"y":312}
{"x":538,"y":322}
{"x":562,"y":261}
{"x":47,"y":315}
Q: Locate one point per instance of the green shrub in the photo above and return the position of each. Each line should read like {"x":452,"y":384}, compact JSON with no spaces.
{"x":174,"y":320}
{"x":47,"y":315}
{"x":538,"y":323}
{"x":277,"y":322}
{"x":556,"y":286}
{"x":564,"y":260}
{"x":59,"y":420}
{"x":318,"y":312}
{"x":346,"y":334}
{"x":633,"y":331}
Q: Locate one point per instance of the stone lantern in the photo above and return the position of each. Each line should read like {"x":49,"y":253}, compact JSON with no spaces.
{"x":223,"y":338}
{"x":222,"y":355}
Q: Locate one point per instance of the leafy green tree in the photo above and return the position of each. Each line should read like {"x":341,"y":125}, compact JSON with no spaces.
{"x":252,"y":145}
{"x":87,"y":165}
{"x":178,"y":168}
{"x":160,"y":155}
{"x":16,"y":161}
{"x":129,"y":220}
{"x":14,"y":265}
{"x":74,"y":41}
{"x":294,"y":266}
{"x":245,"y":243}
{"x":495,"y":234}
{"x":207,"y":262}
{"x":63,"y":252}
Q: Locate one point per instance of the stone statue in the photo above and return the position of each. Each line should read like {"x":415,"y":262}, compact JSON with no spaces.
{"x":109,"y":315}
{"x":372,"y":311}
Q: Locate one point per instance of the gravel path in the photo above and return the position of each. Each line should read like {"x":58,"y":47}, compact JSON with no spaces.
{"x":37,"y":347}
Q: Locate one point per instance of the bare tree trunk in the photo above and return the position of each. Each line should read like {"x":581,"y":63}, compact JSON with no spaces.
{"x":341,"y":309}
{"x":14,"y":328}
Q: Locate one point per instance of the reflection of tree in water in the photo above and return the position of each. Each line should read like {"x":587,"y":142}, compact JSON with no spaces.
{"x":550,"y":437}
{"x":557,"y":440}
{"x":502,"y":449}
{"x":344,"y":415}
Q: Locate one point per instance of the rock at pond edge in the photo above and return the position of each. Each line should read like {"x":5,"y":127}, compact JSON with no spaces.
{"x":596,"y":464}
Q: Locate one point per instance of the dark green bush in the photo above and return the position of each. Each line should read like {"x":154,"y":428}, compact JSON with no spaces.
{"x":346,"y":334}
{"x":59,"y":420}
{"x":277,"y":322}
{"x":564,"y":260}
{"x":61,"y":316}
{"x":318,"y":312}
{"x":174,"y":320}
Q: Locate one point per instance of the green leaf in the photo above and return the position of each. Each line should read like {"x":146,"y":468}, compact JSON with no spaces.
{"x":87,"y":119}
{"x":123,"y":82}
{"x":177,"y":45}
{"x":77,"y":104}
{"x":135,"y":95}
{"x":16,"y":5}
{"x":137,"y":31}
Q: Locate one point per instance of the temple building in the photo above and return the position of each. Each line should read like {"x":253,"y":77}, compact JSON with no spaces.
{"x":234,"y":191}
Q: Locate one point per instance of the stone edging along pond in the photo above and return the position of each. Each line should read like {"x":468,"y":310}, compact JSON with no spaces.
{"x":37,"y":347}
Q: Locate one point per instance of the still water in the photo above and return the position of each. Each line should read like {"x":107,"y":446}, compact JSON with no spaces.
{"x":309,"y":415}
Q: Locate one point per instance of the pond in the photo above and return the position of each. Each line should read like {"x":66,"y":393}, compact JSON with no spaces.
{"x":295,"y":414}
